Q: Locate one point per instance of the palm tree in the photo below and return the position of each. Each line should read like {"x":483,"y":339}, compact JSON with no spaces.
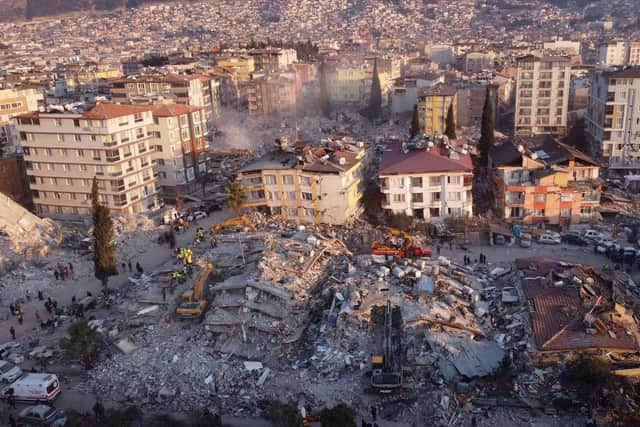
{"x":236,"y":196}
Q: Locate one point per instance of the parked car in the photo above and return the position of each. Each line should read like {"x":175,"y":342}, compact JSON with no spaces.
{"x":549,"y":239}
{"x":525,"y":240}
{"x":592,"y":235}
{"x":42,"y":415}
{"x":196,"y":215}
{"x":499,"y":239}
{"x":573,"y":238}
{"x":9,"y":372}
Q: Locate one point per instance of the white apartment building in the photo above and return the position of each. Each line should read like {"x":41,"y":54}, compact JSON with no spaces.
{"x":613,"y":117}
{"x":14,"y":102}
{"x":64,"y":151}
{"x":613,"y":53}
{"x":180,"y":148}
{"x":542,"y":95}
{"x":426,"y":181}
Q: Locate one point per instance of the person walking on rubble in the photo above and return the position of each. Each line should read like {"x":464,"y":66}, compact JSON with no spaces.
{"x":56,"y":274}
{"x":130,"y":269}
{"x":12,"y":331}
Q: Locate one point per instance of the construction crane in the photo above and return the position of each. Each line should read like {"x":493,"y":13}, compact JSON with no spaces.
{"x":407,"y":250}
{"x":387,"y":371}
{"x":193,"y":302}
{"x":239,"y":220}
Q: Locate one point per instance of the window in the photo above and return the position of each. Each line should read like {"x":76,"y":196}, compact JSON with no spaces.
{"x":64,"y":152}
{"x":292,"y":211}
{"x":417,"y":197}
{"x":96,"y":154}
{"x":586,"y":210}
{"x":47,"y":151}
{"x":435,"y":196}
{"x":273,"y":195}
{"x":270,"y":179}
{"x":540,"y":197}
{"x":54,"y":181}
{"x":256,"y":195}
{"x":276,"y":210}
{"x":93,"y":138}
{"x":565,"y":212}
{"x":397,"y":182}
{"x":455,"y":180}
{"x":398,"y":198}
{"x":80,"y":153}
{"x":58,"y":123}
{"x":435,"y":180}
{"x":307,"y":196}
{"x":455,"y":211}
{"x":454,"y":196}
{"x":309,"y":212}
{"x":566,"y":198}
{"x":416,"y":182}
{"x":77,"y":138}
{"x":27,"y":151}
{"x":538,"y":212}
{"x":61,"y":137}
{"x":290,"y":195}
{"x":305,"y":180}
{"x":434,"y":212}
{"x":83,"y":167}
{"x":287,"y":179}
{"x":66,"y":167}
{"x":76,"y":123}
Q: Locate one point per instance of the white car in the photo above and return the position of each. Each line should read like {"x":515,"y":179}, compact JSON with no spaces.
{"x":549,"y":239}
{"x":9,"y":372}
{"x":592,"y":235}
{"x":196,"y":215}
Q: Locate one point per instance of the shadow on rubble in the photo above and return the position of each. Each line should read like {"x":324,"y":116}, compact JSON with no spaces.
{"x":133,"y":417}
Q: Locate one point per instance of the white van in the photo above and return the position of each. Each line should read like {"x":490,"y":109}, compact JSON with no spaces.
{"x":34,"y":388}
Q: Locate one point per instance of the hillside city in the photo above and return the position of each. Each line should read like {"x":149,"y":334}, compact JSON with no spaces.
{"x":382,"y":213}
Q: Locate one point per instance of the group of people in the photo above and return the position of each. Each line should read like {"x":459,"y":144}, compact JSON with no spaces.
{"x":185,"y":255}
{"x":62,"y":271}
{"x":139,"y":268}
{"x":482,"y":259}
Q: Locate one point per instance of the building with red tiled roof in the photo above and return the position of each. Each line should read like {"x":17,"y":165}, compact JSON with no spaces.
{"x":429,"y":179}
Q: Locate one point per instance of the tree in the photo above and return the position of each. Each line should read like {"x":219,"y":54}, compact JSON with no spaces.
{"x":371,"y":201}
{"x":415,"y":122}
{"x":587,"y":375}
{"x":504,"y":376}
{"x":284,"y":415}
{"x":577,"y":137}
{"x":104,"y":250}
{"x":82,"y":343}
{"x":401,"y":221}
{"x":375,"y":100}
{"x":487,"y":136}
{"x":339,"y":416}
{"x":236,"y":196}
{"x":28,"y":12}
{"x":450,"y":126}
{"x":325,"y":105}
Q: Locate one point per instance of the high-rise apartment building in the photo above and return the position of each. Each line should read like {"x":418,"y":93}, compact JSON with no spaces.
{"x":180,"y":148}
{"x":542,"y":95}
{"x":64,"y":151}
{"x":613,"y":53}
{"x":269,"y":94}
{"x":613,"y":117}
{"x":433,"y":106}
{"x":192,"y":90}
{"x":634,"y":53}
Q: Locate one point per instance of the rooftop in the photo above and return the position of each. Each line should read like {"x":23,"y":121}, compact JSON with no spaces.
{"x":439,"y":90}
{"x":398,"y":159}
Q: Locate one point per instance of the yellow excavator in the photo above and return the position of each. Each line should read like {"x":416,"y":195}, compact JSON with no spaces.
{"x":239,"y":220}
{"x":193,"y":302}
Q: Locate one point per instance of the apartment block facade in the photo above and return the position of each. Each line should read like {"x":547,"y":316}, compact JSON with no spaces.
{"x":64,"y":152}
{"x":272,"y":59}
{"x":542,"y":95}
{"x":270,"y":94}
{"x":192,"y":90}
{"x":309,"y":184}
{"x":613,"y":53}
{"x":349,"y":81}
{"x":470,"y":102}
{"x":613,"y":117}
{"x":433,"y":106}
{"x":544,"y":181}
{"x":428,"y":179}
{"x":13,"y":102}
{"x":180,"y":158}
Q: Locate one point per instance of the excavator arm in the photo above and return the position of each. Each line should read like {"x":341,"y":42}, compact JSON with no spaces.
{"x":239,"y":220}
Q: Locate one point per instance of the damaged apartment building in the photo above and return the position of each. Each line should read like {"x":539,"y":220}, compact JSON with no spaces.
{"x":540,"y":179}
{"x":318,"y":183}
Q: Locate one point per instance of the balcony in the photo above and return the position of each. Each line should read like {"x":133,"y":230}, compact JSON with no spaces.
{"x":125,"y":155}
{"x":112,"y":159}
{"x":128,"y":170}
{"x":114,"y":174}
{"x":110,"y":143}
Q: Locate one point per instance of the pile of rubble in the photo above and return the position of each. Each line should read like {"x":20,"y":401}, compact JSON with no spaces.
{"x":24,"y":236}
